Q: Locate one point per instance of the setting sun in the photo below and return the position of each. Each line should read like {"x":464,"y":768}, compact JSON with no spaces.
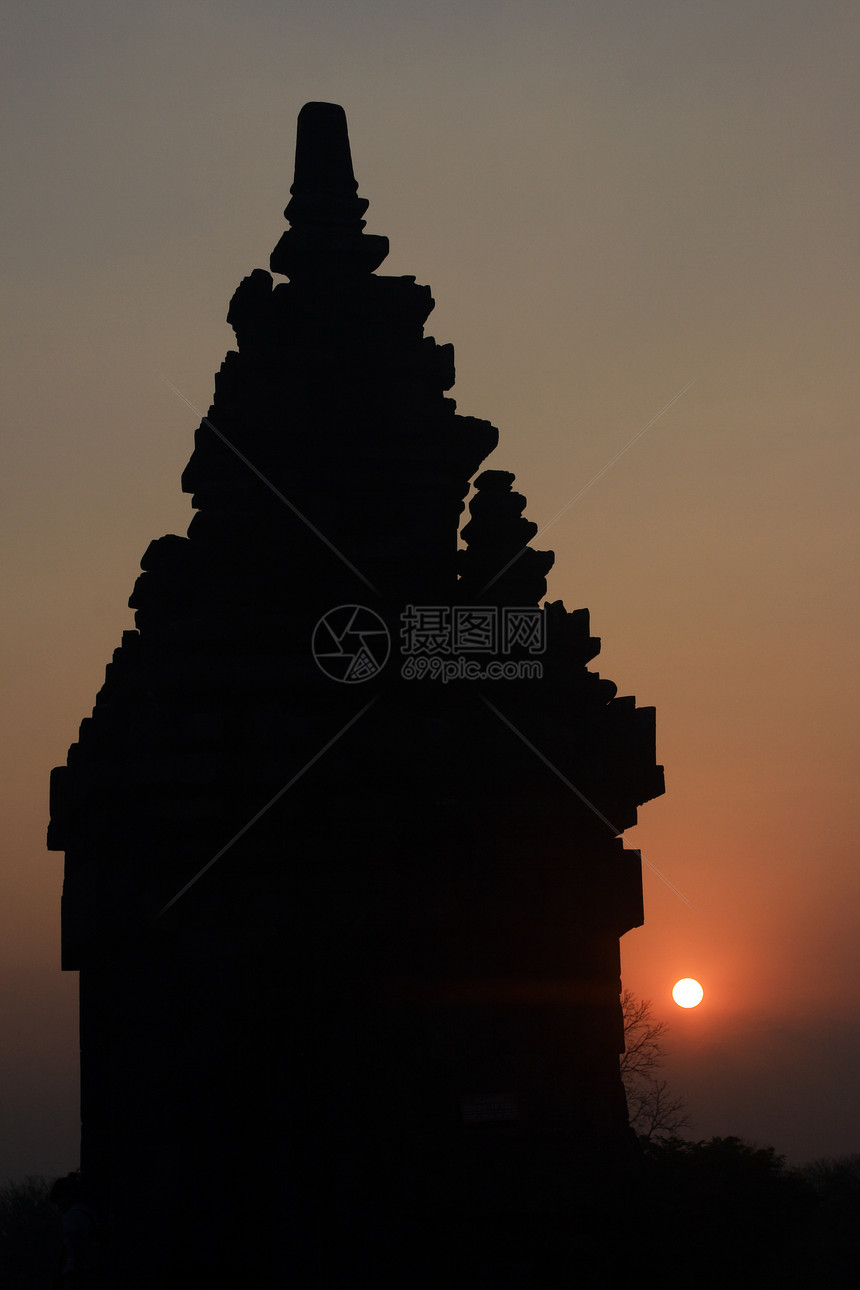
{"x":687,"y":993}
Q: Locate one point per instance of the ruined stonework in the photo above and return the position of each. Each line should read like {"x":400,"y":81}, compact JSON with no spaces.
{"x":347,"y":931}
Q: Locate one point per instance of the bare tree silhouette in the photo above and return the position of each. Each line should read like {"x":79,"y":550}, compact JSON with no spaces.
{"x":654,"y":1111}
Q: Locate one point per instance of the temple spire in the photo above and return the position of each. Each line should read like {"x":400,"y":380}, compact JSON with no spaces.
{"x":326,"y":237}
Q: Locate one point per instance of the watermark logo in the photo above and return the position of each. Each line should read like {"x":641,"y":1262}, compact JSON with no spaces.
{"x":434,"y":668}
{"x":351,"y":644}
{"x":452,"y":630}
{"x":444,"y":643}
{"x":472,"y":642}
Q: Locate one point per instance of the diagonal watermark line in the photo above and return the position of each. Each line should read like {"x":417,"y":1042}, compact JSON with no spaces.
{"x":615,"y":831}
{"x":267,"y":807}
{"x":313,"y":528}
{"x":638,"y":435}
{"x":612,"y":460}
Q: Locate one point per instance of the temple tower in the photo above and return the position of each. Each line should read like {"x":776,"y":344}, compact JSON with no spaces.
{"x":344,"y":878}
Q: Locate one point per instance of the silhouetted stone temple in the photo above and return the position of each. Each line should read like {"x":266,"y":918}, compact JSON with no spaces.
{"x":344,"y":883}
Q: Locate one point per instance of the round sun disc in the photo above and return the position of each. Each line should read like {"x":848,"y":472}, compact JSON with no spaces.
{"x":687,"y":993}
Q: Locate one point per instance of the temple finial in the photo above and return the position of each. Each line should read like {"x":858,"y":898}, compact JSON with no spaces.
{"x":326,"y":237}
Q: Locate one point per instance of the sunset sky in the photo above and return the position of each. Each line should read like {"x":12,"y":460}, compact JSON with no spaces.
{"x":610,"y":200}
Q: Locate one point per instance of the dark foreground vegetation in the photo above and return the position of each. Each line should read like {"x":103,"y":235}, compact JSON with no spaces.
{"x":724,"y":1212}
{"x":695,"y":1214}
{"x":30,"y":1236}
